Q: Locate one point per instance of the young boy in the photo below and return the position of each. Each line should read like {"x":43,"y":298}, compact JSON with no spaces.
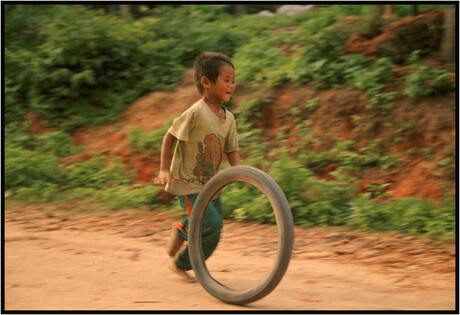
{"x":204,"y":132}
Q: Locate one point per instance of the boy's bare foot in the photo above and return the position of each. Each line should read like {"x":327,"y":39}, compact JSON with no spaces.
{"x":181,"y":273}
{"x":174,"y":243}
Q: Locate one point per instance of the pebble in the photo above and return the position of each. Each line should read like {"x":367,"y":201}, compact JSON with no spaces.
{"x":139,"y":232}
{"x":51,"y":228}
{"x":33,"y":226}
{"x":314,"y":255}
{"x":344,"y":252}
{"x":21,"y":238}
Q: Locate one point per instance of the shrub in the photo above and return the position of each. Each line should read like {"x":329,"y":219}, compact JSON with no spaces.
{"x":125,"y":197}
{"x":197,"y":29}
{"x":257,"y":58}
{"x":322,"y":60}
{"x":17,"y":135}
{"x":97,"y":172}
{"x":23,"y":25}
{"x":443,"y":220}
{"x":374,"y":77}
{"x":38,"y":192}
{"x":148,"y":141}
{"x":246,"y":204}
{"x":27,"y":168}
{"x":425,"y":81}
{"x":408,"y":215}
{"x":19,"y":75}
{"x":57,"y":143}
{"x":91,"y":66}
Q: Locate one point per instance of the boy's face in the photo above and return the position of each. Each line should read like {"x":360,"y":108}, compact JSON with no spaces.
{"x":224,"y":86}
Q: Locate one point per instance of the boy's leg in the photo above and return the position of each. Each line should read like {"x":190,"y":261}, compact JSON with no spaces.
{"x":212,"y":225}
{"x":175,"y":242}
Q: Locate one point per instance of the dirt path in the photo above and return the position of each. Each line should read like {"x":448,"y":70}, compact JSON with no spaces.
{"x":57,"y":258}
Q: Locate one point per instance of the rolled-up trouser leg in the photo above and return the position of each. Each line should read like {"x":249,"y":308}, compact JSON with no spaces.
{"x":210,"y":233}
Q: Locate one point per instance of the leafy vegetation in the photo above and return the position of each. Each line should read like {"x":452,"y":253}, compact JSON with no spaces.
{"x":78,"y":67}
{"x":148,"y":141}
{"x":425,"y":81}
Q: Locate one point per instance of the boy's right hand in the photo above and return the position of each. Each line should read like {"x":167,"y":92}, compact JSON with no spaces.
{"x":164,"y":177}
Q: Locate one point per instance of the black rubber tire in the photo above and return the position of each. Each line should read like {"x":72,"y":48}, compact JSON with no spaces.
{"x":284,"y":223}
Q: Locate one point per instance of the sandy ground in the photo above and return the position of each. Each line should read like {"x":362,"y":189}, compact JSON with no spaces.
{"x":60,"y":259}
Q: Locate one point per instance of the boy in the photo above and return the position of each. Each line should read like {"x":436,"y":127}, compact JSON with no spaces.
{"x":204,"y":132}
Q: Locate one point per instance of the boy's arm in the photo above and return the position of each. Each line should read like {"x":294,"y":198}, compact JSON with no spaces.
{"x":234,"y":158}
{"x":165,"y":175}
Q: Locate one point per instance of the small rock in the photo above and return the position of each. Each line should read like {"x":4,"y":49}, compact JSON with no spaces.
{"x":51,"y":228}
{"x":21,"y":238}
{"x":266,"y":13}
{"x":291,"y":10}
{"x":415,"y":252}
{"x":367,"y":255}
{"x":33,"y":226}
{"x":317,"y":255}
{"x":380,"y":247}
{"x":140,"y":232}
{"x":334,"y":236}
{"x":135,"y":255}
{"x":344,"y":252}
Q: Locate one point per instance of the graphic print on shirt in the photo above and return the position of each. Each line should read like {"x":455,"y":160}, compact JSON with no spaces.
{"x":209,"y":157}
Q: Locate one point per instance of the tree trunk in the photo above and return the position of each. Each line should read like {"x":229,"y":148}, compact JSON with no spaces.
{"x":448,"y":37}
{"x":379,"y":10}
{"x":239,"y":9}
{"x":124,"y":10}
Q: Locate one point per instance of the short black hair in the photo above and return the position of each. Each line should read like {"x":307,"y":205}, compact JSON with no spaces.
{"x":208,"y":64}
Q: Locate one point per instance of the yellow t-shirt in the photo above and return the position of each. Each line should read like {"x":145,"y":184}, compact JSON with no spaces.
{"x":203,"y":138}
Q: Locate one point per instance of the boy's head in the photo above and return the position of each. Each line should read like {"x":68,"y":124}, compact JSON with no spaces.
{"x":208,"y":65}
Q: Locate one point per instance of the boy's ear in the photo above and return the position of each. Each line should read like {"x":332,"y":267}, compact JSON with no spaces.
{"x":205,"y":82}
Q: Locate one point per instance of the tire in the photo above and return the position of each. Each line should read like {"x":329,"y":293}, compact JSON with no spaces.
{"x":284,"y":223}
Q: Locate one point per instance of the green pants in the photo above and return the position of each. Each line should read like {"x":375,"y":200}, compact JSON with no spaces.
{"x":210,"y":232}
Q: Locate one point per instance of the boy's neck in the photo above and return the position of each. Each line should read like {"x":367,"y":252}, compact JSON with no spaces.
{"x":214,"y":104}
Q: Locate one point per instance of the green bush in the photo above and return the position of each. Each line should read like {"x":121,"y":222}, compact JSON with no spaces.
{"x":57,"y":143}
{"x":81,"y":193}
{"x":24,"y":25}
{"x":92,"y":66}
{"x":17,"y":135}
{"x":257,"y":58}
{"x":425,"y":81}
{"x":148,"y":141}
{"x":19,"y":76}
{"x":246,"y":204}
{"x":406,"y":10}
{"x":38,"y":192}
{"x":125,"y":197}
{"x":407,"y":215}
{"x":374,"y":77}
{"x":97,"y":172}
{"x":197,"y":29}
{"x":443,"y":220}
{"x":25,"y":168}
{"x":322,"y":59}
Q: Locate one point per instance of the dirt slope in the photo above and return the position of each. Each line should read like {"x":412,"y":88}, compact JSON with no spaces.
{"x":60,"y":258}
{"x":340,"y":115}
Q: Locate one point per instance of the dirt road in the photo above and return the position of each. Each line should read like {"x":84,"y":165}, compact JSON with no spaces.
{"x":60,"y":259}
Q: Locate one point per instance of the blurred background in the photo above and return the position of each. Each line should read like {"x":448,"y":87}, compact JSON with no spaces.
{"x":351,"y":108}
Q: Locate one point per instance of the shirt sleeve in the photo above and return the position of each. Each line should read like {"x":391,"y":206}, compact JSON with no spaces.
{"x":231,"y":142}
{"x":183,"y":125}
